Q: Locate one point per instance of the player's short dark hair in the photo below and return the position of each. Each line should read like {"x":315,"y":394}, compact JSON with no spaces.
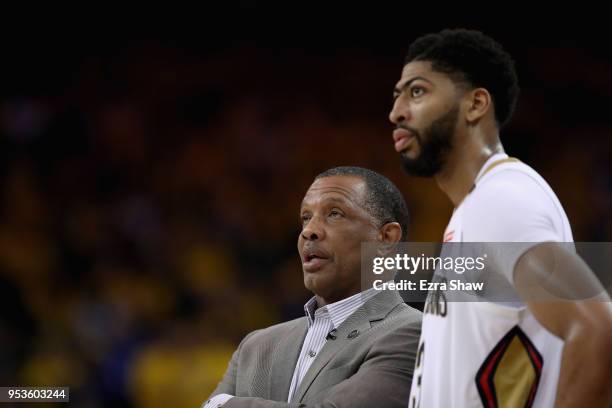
{"x":383,"y":199}
{"x":473,"y":58}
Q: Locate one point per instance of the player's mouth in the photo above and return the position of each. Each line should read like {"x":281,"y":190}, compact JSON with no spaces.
{"x":403,"y":139}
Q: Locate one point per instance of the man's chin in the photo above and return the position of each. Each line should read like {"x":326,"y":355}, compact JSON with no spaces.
{"x":312,"y":282}
{"x":418,"y":168}
{"x":319,"y":284}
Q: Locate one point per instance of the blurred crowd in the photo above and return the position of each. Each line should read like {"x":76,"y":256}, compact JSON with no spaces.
{"x":149,"y":201}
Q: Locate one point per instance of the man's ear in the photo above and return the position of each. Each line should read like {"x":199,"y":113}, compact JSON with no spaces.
{"x":388,"y":236}
{"x":478,"y":102}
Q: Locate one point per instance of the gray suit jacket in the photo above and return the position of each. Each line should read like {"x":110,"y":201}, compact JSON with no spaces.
{"x":371,"y":369}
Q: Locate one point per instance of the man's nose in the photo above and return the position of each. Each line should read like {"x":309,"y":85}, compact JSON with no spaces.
{"x":313,"y":231}
{"x":399,"y":113}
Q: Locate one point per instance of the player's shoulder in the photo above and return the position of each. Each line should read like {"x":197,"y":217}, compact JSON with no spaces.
{"x":510,"y":185}
{"x":512,"y":204}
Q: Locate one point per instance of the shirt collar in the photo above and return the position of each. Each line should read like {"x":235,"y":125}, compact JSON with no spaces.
{"x":338,"y":311}
{"x":495,"y":157}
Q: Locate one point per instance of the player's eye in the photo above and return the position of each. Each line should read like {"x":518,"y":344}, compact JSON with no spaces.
{"x":416,"y":91}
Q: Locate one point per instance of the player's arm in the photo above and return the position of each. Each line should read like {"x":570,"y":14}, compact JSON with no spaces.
{"x":566,"y":298}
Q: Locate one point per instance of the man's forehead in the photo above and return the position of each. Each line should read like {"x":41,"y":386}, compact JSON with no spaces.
{"x":349,"y":188}
{"x":417,"y":69}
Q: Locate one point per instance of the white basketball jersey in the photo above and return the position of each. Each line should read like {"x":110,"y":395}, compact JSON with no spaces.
{"x":487,"y":354}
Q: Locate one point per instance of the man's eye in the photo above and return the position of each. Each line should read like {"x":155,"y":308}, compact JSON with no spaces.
{"x":335,"y":214}
{"x":305,"y":218}
{"x":416,"y":91}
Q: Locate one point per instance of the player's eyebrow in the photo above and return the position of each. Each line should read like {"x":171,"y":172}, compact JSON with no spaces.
{"x":399,"y":89}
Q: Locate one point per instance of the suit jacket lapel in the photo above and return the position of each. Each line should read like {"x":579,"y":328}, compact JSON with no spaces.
{"x":374,"y":309}
{"x":285,"y":360}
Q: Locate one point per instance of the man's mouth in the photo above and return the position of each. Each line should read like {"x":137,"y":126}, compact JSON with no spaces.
{"x":314,"y":260}
{"x":403,"y":139}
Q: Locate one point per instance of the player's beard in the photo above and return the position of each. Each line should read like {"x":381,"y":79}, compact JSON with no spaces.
{"x":435,"y":141}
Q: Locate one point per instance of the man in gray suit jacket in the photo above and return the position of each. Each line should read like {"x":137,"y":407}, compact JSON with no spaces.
{"x":356,"y":347}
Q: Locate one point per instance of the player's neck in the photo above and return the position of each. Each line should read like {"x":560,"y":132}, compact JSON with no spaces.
{"x":463,"y":165}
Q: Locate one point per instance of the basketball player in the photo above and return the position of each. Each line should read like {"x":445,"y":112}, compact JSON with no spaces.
{"x":457,"y":89}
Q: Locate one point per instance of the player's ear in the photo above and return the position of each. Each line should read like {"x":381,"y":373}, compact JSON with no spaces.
{"x":388,"y":236}
{"x":477,"y":103}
